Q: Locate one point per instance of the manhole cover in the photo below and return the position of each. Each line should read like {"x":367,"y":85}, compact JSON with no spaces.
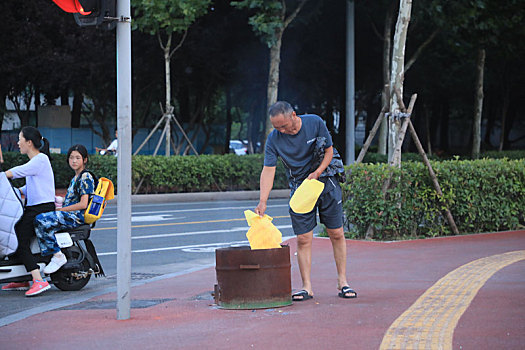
{"x":135,"y":276}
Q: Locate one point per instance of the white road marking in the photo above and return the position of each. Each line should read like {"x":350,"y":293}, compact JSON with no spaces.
{"x":153,"y":218}
{"x":235,"y":229}
{"x":182,"y":247}
{"x":114,"y":215}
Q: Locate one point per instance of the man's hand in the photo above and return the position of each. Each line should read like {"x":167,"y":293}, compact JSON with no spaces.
{"x":260,"y":209}
{"x":267,"y":176}
{"x":315,"y":175}
{"x":328,"y":155}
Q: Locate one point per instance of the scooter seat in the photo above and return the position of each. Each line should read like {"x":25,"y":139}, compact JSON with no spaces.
{"x":78,"y":233}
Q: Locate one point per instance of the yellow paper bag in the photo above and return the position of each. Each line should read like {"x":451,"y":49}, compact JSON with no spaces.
{"x":262,"y":233}
{"x":304,"y":198}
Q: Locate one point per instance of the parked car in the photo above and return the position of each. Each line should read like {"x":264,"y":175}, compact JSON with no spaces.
{"x":238,"y":147}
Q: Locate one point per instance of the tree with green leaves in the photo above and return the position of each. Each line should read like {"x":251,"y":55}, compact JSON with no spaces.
{"x":478,"y":26}
{"x":270,"y":20}
{"x":166,"y":19}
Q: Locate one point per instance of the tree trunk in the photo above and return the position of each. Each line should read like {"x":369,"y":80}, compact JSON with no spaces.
{"x":476,"y":128}
{"x":167,"y":59}
{"x":504,"y":112}
{"x":427,"y":115}
{"x":387,"y":48}
{"x":228,"y":120}
{"x":273,"y":79}
{"x":64,"y":98}
{"x":444,"y":122}
{"x":511,"y":116}
{"x":27,"y":96}
{"x":3,"y":110}
{"x":397,"y":74}
{"x":37,"y":104}
{"x":490,"y":113}
{"x":78,"y":99}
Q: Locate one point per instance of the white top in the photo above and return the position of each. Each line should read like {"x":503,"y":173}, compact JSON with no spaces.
{"x":113,"y":146}
{"x":40,"y":182}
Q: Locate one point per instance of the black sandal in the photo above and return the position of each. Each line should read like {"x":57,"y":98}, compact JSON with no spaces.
{"x":301,"y":296}
{"x":345,"y":290}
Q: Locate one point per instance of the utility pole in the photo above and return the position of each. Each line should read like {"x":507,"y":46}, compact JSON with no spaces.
{"x":350,"y":84}
{"x":124,"y":159}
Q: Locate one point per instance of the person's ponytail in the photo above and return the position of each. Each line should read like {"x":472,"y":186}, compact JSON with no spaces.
{"x":44,"y":148}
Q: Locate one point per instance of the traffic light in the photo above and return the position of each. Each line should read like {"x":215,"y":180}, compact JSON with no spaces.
{"x":91,"y":12}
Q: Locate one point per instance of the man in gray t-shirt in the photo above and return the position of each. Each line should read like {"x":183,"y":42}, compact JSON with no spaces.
{"x":294,"y":141}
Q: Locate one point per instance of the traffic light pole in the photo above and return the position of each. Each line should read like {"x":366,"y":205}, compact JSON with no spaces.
{"x":124,"y":159}
{"x":350,"y":84}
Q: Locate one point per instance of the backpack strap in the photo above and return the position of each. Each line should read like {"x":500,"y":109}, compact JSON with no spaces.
{"x":77,"y":182}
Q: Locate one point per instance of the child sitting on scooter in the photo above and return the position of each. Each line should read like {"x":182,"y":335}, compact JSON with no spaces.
{"x":39,"y":192}
{"x":71,"y":214}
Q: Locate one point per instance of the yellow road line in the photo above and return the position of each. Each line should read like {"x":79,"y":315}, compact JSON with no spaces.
{"x":184,"y":223}
{"x":430,"y":322}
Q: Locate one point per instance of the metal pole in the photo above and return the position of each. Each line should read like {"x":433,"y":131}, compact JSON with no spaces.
{"x":124,"y":159}
{"x":350,"y":84}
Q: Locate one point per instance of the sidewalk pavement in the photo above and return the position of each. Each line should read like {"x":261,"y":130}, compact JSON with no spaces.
{"x":464,"y":292}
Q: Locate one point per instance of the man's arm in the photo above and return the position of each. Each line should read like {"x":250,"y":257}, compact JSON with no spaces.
{"x":267,"y":177}
{"x":328,"y":154}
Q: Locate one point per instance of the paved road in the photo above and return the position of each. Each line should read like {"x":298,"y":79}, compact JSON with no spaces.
{"x":167,"y":238}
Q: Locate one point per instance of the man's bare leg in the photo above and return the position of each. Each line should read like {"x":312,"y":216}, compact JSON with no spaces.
{"x":337,"y":237}
{"x":304,"y":258}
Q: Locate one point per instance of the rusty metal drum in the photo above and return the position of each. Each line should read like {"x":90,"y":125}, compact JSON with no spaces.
{"x":253,"y":279}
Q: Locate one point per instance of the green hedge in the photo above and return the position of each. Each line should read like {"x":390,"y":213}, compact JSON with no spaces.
{"x":170,"y":174}
{"x":516,"y":154}
{"x":373,"y":157}
{"x":201,"y":174}
{"x":383,"y":158}
{"x":483,"y":196}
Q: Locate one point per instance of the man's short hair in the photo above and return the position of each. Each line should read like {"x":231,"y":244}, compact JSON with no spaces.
{"x":280,"y":107}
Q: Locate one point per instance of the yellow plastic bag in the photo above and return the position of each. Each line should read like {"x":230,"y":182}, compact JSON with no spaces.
{"x":97,"y":203}
{"x":304,"y":198}
{"x":262,"y":233}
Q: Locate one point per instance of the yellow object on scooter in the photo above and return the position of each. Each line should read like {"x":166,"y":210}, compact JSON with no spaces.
{"x":262,"y":233}
{"x":304,"y":198}
{"x":97,"y":203}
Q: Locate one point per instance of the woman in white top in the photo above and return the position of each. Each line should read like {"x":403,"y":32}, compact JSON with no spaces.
{"x":39,"y":192}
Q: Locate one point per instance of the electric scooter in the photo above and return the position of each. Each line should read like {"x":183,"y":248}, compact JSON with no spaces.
{"x":82,"y":259}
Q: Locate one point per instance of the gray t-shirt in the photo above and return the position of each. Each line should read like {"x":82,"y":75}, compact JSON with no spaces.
{"x":296,"y":151}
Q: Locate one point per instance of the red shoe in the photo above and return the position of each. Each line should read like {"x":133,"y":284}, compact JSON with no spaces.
{"x":37,"y":288}
{"x":16,"y":286}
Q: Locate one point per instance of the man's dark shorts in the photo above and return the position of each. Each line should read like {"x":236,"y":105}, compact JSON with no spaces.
{"x":330,"y":206}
